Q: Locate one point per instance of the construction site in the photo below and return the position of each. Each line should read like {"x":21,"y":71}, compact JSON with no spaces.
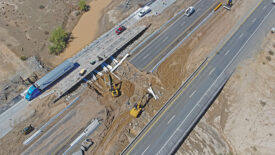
{"x":94,"y":98}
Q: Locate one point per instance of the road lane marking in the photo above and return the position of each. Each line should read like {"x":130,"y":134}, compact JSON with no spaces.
{"x":186,"y":30}
{"x":145,"y":150}
{"x":192,"y":93}
{"x":254,"y":20}
{"x":165,"y":39}
{"x":227,"y":52}
{"x":191,"y":81}
{"x":171,"y":119}
{"x":145,"y":56}
{"x":212,"y":70}
{"x":186,"y":37}
{"x":241,"y":36}
{"x":182,"y":23}
{"x":231,"y":61}
{"x":177,"y":128}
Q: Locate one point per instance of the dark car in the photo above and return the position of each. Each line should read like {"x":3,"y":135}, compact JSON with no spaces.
{"x":27,"y":130}
{"x":120,"y":30}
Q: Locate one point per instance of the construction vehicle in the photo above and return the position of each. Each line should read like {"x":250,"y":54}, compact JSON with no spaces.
{"x":137,"y":108}
{"x":114,"y":89}
{"x":27,"y":130}
{"x":229,"y":3}
{"x":86,"y":144}
{"x":49,"y":79}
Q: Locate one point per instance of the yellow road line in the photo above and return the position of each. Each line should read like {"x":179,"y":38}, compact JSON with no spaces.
{"x":187,"y":29}
{"x":191,"y":81}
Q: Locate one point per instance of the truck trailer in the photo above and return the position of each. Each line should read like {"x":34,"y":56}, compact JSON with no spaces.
{"x":39,"y":86}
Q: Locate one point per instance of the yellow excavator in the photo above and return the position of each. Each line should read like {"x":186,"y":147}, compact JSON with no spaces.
{"x":113,"y":88}
{"x":137,"y":108}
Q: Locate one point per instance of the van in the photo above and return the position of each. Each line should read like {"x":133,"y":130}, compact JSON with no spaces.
{"x":144,"y":11}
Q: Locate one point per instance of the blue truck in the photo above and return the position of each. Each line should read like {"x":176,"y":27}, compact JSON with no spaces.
{"x":42,"y":84}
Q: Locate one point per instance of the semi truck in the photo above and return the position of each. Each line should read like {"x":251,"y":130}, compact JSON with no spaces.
{"x":39,"y":86}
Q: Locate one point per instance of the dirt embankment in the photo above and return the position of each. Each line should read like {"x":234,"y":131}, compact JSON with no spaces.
{"x":242,"y":117}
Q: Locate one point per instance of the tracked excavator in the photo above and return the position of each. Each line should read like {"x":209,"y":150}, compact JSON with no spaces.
{"x":115,"y":90}
{"x":137,"y":108}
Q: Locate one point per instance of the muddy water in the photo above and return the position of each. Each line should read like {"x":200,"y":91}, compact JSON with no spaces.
{"x":85,"y":31}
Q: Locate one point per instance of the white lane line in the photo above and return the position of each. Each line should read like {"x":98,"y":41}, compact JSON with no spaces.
{"x":192,"y":93}
{"x":182,"y":23}
{"x":241,"y":36}
{"x":165,"y":39}
{"x":145,"y":56}
{"x":171,"y":119}
{"x":214,"y":83}
{"x":254,"y":20}
{"x":145,"y":150}
{"x":227,"y":52}
{"x":212,"y":70}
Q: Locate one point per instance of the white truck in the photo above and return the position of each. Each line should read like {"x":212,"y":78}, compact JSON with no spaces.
{"x":144,"y":11}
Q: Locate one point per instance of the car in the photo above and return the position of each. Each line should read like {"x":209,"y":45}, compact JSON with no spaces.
{"x":27,"y":130}
{"x":273,"y":2}
{"x":92,"y":62}
{"x":82,"y":72}
{"x":120,"y":30}
{"x":189,"y":11}
{"x":273,"y":30}
{"x":144,"y":11}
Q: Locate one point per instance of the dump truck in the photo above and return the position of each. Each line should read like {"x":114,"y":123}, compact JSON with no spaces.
{"x":39,"y":86}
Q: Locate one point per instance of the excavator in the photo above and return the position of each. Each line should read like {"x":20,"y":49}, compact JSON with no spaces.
{"x":229,"y":3}
{"x":113,"y":88}
{"x":137,"y":108}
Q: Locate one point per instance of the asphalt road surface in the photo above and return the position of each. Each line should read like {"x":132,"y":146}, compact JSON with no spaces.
{"x":172,"y":125}
{"x":155,"y":50}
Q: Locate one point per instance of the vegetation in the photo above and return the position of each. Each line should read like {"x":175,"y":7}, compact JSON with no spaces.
{"x":23,"y":58}
{"x":83,"y":6}
{"x":59,"y":38}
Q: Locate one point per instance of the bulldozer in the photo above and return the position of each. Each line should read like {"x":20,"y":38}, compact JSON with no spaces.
{"x":114,"y":89}
{"x":137,"y":108}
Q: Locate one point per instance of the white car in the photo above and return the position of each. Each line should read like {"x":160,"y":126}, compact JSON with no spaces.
{"x":273,"y":2}
{"x":144,"y":11}
{"x":189,"y":11}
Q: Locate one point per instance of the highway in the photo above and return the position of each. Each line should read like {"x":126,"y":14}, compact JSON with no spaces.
{"x":156,"y":49}
{"x":173,"y":123}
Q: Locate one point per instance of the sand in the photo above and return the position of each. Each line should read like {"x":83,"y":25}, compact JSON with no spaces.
{"x":85,"y":31}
